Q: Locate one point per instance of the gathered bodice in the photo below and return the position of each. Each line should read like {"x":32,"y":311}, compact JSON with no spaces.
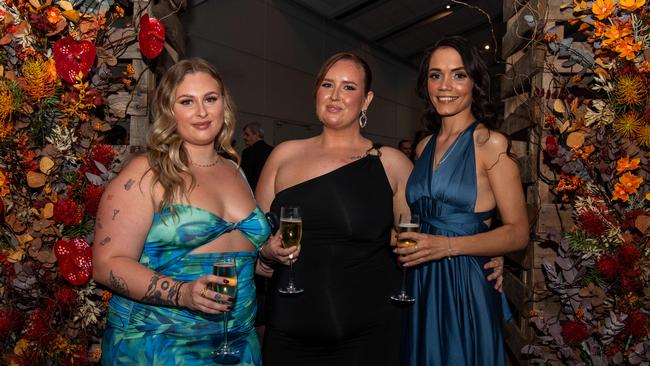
{"x":446,"y":197}
{"x":173,"y":236}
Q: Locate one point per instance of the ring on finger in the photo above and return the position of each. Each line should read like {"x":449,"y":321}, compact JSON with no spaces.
{"x":416,"y":247}
{"x":205,"y":289}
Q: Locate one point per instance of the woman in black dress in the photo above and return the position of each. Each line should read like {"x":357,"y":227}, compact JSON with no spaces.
{"x":349,"y":190}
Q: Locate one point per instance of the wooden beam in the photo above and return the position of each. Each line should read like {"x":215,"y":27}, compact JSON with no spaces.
{"x":518,"y":29}
{"x":510,"y":7}
{"x":517,"y":78}
{"x":522,"y":117}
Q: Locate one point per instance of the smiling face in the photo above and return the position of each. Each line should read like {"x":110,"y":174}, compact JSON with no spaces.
{"x":340,"y":97}
{"x":449,"y":85}
{"x":198,"y":109}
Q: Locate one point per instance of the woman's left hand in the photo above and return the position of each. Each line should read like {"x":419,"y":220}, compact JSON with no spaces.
{"x":497,"y":274}
{"x":427,"y":248}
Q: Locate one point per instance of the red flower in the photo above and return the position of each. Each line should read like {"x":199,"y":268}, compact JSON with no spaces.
{"x":101,"y":153}
{"x":608,"y":267}
{"x":68,"y":212}
{"x":591,"y":223}
{"x":551,"y":146}
{"x":151,"y":37}
{"x":630,"y":281}
{"x":91,"y":196}
{"x":66,"y":296}
{"x":10,"y":321}
{"x":637,"y":324}
{"x":75,"y":260}
{"x":38,"y":329}
{"x":628,"y":254}
{"x":72,"y":58}
{"x":574,"y":332}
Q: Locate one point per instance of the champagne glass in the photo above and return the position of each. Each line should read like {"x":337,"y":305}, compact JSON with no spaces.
{"x":290,"y":234}
{"x":225,"y":266}
{"x":407,"y":223}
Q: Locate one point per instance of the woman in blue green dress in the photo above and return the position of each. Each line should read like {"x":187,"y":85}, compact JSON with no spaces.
{"x":463,"y":174}
{"x":163,"y":220}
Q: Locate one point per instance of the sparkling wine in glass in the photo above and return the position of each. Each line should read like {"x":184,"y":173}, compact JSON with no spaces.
{"x":407,"y":223}
{"x":225,"y":266}
{"x":290,"y":234}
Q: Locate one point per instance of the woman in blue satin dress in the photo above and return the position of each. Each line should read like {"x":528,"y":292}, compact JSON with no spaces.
{"x":163,"y":220}
{"x":464,"y":173}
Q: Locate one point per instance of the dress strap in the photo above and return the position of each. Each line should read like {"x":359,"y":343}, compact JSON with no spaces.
{"x":376,"y":147}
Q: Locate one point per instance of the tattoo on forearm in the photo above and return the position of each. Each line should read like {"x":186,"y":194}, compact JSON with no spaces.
{"x":118,"y":284}
{"x":105,"y":241}
{"x":115,"y":212}
{"x":110,"y":197}
{"x":98,"y":223}
{"x":162,"y":290}
{"x":128,"y":184}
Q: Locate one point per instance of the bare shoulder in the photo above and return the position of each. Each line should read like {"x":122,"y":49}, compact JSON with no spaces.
{"x":492,"y":146}
{"x":290,"y":148}
{"x":393,"y":156}
{"x":396,"y":164}
{"x":134,"y":174}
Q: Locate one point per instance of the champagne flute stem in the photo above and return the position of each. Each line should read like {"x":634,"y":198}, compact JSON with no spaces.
{"x":403,"y":281}
{"x":291,"y":273}
{"x":225,"y":331}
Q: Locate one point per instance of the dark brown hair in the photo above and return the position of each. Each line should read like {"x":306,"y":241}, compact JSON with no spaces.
{"x":327,"y":65}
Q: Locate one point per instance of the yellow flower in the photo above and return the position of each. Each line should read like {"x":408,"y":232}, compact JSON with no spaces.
{"x":647,"y":196}
{"x":602,"y":8}
{"x":38,"y":78}
{"x":630,"y":90}
{"x":628,"y":125}
{"x":6,"y":102}
{"x":624,"y":164}
{"x":630,"y":182}
{"x":630,"y":5}
{"x":643,"y":137}
{"x":620,"y":193}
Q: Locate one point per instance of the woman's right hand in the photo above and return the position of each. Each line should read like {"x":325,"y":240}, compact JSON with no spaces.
{"x":274,"y":250}
{"x":198,"y":295}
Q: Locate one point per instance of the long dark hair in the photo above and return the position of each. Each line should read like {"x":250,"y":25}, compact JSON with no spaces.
{"x":475,"y":67}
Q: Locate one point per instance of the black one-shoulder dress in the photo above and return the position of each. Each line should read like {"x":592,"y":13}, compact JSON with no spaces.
{"x":348,"y":272}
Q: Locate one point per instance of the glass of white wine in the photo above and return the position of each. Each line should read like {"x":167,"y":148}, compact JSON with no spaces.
{"x":290,"y":234}
{"x":225,"y":266}
{"x":407,"y":223}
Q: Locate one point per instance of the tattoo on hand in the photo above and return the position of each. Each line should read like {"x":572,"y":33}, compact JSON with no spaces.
{"x":105,"y":241}
{"x":128,"y":184}
{"x":162,"y":290}
{"x":118,"y":284}
{"x":115,"y":212}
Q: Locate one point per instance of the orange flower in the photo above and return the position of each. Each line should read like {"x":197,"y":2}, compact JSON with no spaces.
{"x":616,"y":31}
{"x":53,"y":15}
{"x":624,"y":164}
{"x":627,"y":48}
{"x":644,"y":66}
{"x":630,"y":182}
{"x":602,"y":8}
{"x":119,"y":11}
{"x":599,"y":29}
{"x":619,"y":193}
{"x":630,"y":5}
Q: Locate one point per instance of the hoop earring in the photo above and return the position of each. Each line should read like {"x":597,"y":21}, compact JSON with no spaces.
{"x":363,"y":119}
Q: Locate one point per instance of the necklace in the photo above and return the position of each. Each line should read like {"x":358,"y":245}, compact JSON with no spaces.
{"x":205,"y":165}
{"x":446,"y":154}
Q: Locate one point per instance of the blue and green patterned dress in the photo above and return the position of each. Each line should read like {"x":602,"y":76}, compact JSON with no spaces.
{"x":143,"y":334}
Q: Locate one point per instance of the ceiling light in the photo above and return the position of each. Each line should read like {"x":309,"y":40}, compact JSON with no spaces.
{"x":487,"y":46}
{"x":448,"y":6}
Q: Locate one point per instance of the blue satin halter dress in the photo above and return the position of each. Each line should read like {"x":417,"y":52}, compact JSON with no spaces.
{"x":457,"y":314}
{"x":143,"y":334}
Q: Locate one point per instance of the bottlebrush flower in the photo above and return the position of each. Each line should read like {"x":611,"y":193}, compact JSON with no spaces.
{"x":92,"y":195}
{"x":68,"y":212}
{"x":592,"y":223}
{"x":10,"y":321}
{"x":39,"y":81}
{"x":630,"y":90}
{"x":628,"y":255}
{"x":608,"y":267}
{"x":637,"y":324}
{"x":643,"y":137}
{"x":574,"y":332}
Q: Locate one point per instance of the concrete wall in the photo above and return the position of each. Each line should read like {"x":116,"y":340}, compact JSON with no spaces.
{"x":269,"y":51}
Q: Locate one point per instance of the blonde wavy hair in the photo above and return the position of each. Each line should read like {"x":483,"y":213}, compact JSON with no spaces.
{"x":168,"y":159}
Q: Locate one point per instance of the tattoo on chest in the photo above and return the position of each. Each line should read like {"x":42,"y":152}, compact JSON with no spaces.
{"x":162,"y":291}
{"x":128,"y":184}
{"x":118,"y":284}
